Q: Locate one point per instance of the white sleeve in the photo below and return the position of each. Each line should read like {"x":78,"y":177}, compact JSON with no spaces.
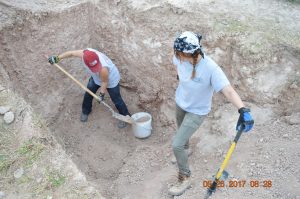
{"x":175,"y":60}
{"x":219,"y":79}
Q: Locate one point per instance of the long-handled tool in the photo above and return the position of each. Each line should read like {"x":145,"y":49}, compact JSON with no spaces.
{"x":118,"y":116}
{"x":222,"y":174}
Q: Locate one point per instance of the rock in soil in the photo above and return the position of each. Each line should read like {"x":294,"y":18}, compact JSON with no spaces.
{"x":4,"y":109}
{"x":9,"y":117}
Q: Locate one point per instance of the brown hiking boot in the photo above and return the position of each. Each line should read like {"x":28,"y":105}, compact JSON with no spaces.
{"x":184,"y":182}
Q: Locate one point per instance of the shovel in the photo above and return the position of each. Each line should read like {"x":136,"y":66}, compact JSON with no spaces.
{"x":222,"y":174}
{"x":118,"y":116}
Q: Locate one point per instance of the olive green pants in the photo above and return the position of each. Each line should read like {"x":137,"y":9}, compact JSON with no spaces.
{"x":187,"y":124}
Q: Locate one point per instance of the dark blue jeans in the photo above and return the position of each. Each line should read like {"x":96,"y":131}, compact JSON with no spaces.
{"x":114,"y":94}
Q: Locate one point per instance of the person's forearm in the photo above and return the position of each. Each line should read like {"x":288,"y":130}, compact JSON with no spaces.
{"x":233,"y":97}
{"x":65,"y":55}
{"x":104,"y":78}
{"x":74,"y":53}
{"x":103,"y":87}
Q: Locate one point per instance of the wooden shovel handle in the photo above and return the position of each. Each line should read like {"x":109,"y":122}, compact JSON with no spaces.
{"x":77,"y":82}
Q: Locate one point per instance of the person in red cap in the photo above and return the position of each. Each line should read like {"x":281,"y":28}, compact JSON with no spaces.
{"x":104,"y":75}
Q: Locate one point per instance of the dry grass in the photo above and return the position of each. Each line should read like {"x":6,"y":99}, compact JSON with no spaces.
{"x":45,"y":174}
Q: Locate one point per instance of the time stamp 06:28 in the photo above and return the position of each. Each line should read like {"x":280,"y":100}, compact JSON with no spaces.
{"x":239,"y":183}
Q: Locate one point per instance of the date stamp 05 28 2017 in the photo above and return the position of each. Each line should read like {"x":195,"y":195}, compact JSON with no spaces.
{"x":239,"y":183}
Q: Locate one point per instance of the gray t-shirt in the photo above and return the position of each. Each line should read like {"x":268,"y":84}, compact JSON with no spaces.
{"x":195,"y":95}
{"x":113,"y":72}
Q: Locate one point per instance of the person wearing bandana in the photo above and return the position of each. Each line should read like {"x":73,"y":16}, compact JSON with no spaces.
{"x":103,"y":74}
{"x":199,"y":77}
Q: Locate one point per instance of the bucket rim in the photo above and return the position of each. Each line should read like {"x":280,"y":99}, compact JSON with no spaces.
{"x":135,"y":114}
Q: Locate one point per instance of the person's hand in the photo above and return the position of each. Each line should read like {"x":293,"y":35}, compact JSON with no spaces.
{"x":53,"y":59}
{"x":245,"y":121}
{"x":101,"y":97}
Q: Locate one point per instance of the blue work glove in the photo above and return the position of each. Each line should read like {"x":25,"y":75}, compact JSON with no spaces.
{"x":101,"y":97}
{"x":53,"y":59}
{"x":245,"y":121}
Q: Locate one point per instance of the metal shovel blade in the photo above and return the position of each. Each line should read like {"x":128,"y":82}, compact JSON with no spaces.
{"x":224,"y":175}
{"x":126,"y":118}
{"x":213,"y":187}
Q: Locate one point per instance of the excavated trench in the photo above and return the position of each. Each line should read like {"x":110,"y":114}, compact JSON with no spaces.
{"x":98,"y":147}
{"x":141,"y":47}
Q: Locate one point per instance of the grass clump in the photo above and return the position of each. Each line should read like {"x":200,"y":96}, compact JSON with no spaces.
{"x":56,"y":179}
{"x":30,"y":151}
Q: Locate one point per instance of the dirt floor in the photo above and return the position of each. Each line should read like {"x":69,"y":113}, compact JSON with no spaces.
{"x":257,"y":43}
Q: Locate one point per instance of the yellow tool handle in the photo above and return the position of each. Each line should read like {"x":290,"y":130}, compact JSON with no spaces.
{"x":225,"y":162}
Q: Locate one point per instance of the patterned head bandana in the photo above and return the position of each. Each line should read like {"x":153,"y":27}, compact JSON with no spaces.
{"x":187,"y":42}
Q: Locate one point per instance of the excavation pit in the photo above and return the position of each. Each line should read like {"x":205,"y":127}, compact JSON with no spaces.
{"x":132,"y":34}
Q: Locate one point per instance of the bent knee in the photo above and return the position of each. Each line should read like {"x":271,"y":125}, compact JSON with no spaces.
{"x":177,"y":147}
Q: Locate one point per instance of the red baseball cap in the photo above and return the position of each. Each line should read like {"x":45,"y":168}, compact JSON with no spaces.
{"x":91,"y":59}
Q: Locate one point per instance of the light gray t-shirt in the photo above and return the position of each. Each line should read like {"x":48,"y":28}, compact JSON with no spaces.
{"x":195,"y":95}
{"x":113,"y":72}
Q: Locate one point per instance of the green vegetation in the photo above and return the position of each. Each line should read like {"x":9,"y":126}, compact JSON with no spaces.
{"x":30,"y":151}
{"x":24,"y":180}
{"x":38,"y":121}
{"x":41,"y":178}
{"x":4,"y":163}
{"x":7,"y":157}
{"x":25,"y":155}
{"x":56,"y":179}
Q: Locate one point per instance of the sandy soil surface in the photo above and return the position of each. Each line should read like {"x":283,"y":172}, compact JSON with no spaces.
{"x":256,"y":43}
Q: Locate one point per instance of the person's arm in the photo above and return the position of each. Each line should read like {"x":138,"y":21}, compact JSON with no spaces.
{"x":74,"y":53}
{"x":245,"y":121}
{"x":232,"y":96}
{"x":56,"y":58}
{"x":104,"y":79}
{"x":177,"y":76}
{"x":175,"y":66}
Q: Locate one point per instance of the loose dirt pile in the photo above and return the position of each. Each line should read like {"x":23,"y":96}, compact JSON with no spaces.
{"x":256,"y":43}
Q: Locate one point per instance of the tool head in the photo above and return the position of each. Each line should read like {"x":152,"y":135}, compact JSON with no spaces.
{"x":213,"y":187}
{"x":123,"y":118}
{"x":224,"y":175}
{"x":210,"y":191}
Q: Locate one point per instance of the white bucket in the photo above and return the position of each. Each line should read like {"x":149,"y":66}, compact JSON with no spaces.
{"x":142,"y":127}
